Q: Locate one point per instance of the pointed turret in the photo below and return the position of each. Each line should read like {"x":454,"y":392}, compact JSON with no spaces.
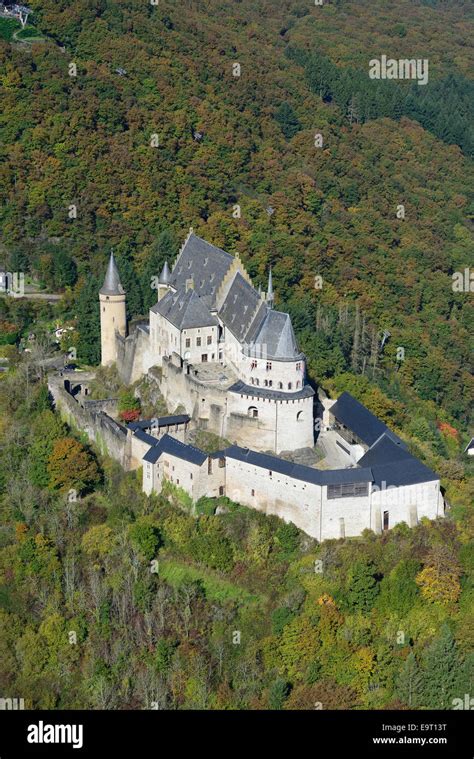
{"x":270,"y":294}
{"x":165,"y":275}
{"x":112,"y":284}
{"x":113,"y":313}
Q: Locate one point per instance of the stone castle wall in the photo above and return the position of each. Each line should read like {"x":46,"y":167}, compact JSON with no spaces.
{"x":109,"y":436}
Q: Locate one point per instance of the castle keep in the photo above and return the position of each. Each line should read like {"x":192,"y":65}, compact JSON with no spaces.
{"x":225,"y":354}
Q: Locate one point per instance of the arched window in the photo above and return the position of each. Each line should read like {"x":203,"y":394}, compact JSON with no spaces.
{"x":298,"y":383}
{"x":290,"y":385}
{"x":252,"y":412}
{"x":280,"y":385}
{"x":300,"y":416}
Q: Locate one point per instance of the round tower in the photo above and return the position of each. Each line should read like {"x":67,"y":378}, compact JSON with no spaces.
{"x":113,"y":316}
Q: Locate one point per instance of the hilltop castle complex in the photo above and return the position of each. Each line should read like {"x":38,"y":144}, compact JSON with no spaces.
{"x":227,"y":362}
{"x":225,"y":354}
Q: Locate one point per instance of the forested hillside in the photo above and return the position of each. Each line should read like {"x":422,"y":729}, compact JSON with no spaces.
{"x":121,"y":128}
{"x":116,"y":600}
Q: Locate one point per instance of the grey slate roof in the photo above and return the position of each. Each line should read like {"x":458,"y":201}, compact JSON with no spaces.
{"x":174,"y":447}
{"x":159,"y":421}
{"x":144,"y":436}
{"x":393,"y":464}
{"x":206,"y":264}
{"x":264,"y":392}
{"x":275,"y":338}
{"x":112,"y":285}
{"x":384,"y":450}
{"x":239,"y":307}
{"x":410,"y":471}
{"x":356,"y":417}
{"x":185,"y":310}
{"x":299,"y":471}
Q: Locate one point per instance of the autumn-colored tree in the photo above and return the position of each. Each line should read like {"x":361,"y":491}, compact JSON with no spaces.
{"x":439,"y":580}
{"x":325,"y":694}
{"x":299,"y":645}
{"x":71,"y":466}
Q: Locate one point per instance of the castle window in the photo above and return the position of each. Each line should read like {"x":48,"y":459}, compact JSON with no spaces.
{"x":298,"y":383}
{"x":270,"y":473}
{"x":348,"y":490}
{"x":300,"y":416}
{"x":177,"y":482}
{"x":257,"y":381}
{"x":198,"y":341}
{"x":221,"y":462}
{"x":253,"y":492}
{"x":253,"y":365}
{"x":265,"y":382}
{"x":221,"y":490}
{"x":269,"y":366}
{"x":298,"y":366}
{"x":280,"y":385}
{"x":204,"y":358}
{"x":270,"y":383}
{"x":290,"y":385}
{"x":209,"y":339}
{"x":188,"y":342}
{"x":191,"y":476}
{"x":252,"y":412}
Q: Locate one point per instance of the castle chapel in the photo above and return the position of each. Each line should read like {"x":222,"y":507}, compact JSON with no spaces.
{"x":222,"y":351}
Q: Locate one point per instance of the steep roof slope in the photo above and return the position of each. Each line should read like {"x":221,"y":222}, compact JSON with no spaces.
{"x":185,"y":310}
{"x":205,"y":264}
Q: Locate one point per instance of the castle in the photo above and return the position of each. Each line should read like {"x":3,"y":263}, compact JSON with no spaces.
{"x":218,"y":349}
{"x":226,"y":355}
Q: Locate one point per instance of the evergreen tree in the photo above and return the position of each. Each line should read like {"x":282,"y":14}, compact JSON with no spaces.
{"x":279,"y":691}
{"x":132,"y":286}
{"x":409,"y":683}
{"x":164,"y":249}
{"x":88,"y":322}
{"x":362,"y":587}
{"x":288,"y":121}
{"x":441,"y":670}
{"x":64,"y":269}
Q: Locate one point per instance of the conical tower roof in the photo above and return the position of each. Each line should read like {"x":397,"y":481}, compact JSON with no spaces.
{"x":112,"y":284}
{"x":270,"y":295}
{"x":165,"y":275}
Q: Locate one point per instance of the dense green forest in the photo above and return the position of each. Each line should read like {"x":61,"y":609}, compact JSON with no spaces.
{"x":115,"y":600}
{"x":124,"y":125}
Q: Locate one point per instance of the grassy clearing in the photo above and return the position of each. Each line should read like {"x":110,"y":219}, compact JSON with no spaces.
{"x":8,"y":26}
{"x":29,"y":33}
{"x":176,"y":573}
